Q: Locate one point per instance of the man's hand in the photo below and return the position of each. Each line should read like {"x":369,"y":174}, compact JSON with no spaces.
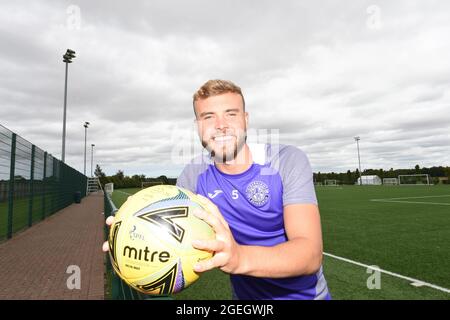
{"x":227,"y":253}
{"x":109,"y":221}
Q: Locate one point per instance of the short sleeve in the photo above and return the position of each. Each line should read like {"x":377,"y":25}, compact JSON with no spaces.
{"x":187,"y":179}
{"x":189,"y":176}
{"x":297,"y":177}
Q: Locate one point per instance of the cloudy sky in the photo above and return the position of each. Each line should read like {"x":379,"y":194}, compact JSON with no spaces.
{"x":314,"y":74}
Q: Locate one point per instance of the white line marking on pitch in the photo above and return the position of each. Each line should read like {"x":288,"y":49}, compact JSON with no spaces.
{"x":435,"y":203}
{"x":419,"y":202}
{"x":444,"y":195}
{"x":414,"y":282}
{"x":130,"y":194}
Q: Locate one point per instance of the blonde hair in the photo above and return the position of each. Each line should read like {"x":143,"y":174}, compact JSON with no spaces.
{"x":217,"y":87}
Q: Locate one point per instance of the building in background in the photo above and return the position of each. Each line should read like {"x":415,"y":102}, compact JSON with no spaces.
{"x":369,"y":180}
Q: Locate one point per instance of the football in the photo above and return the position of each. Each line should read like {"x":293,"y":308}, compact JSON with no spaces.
{"x":150,"y":240}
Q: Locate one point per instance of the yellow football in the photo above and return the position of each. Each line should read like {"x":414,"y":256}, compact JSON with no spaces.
{"x":150,"y":240}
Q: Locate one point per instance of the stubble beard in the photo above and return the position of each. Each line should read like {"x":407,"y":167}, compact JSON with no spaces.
{"x":226,"y":153}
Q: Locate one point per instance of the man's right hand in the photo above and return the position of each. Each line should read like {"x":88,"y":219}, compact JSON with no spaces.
{"x":109,"y":221}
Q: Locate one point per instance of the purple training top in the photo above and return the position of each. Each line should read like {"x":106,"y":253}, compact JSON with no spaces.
{"x":252,"y":203}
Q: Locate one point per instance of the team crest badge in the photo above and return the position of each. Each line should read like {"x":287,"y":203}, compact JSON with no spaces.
{"x":257,"y":193}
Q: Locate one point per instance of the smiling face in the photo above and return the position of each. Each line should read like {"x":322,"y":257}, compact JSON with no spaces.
{"x":222,"y":125}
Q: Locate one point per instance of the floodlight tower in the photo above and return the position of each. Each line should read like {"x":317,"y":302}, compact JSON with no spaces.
{"x":68,"y":56}
{"x":359,"y":160}
{"x":92,"y":157}
{"x":86,"y":125}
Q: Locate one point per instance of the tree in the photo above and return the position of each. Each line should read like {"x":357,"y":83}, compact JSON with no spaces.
{"x":319,"y":177}
{"x":163,"y":179}
{"x":119,"y":175}
{"x":391,"y":173}
{"x":98,"y":172}
{"x":349,"y":178}
{"x":447,"y":172}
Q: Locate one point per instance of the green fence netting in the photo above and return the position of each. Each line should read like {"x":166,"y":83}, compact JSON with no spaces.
{"x":33,"y":184}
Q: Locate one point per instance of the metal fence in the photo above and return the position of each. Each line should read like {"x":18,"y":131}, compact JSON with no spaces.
{"x":33,"y":184}
{"x":119,"y":290}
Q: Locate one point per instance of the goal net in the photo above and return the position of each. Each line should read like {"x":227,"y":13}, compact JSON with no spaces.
{"x":148,"y":184}
{"x":109,"y":188}
{"x":390,"y":181}
{"x":331,"y":183}
{"x":414,"y":179}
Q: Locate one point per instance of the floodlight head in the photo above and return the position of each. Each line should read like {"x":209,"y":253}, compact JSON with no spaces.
{"x":86,"y":124}
{"x":92,"y":145}
{"x":68,"y":56}
{"x":70,"y":53}
{"x":357,"y":138}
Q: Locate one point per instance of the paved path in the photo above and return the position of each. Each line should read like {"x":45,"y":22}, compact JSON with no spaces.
{"x":34,"y":263}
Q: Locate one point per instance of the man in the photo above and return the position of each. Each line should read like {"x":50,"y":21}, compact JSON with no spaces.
{"x":262,"y":204}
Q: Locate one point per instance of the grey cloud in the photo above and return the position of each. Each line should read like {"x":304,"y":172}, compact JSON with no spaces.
{"x":430,"y":96}
{"x":363,"y":99}
{"x":429,"y":121}
{"x":314,"y":71}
